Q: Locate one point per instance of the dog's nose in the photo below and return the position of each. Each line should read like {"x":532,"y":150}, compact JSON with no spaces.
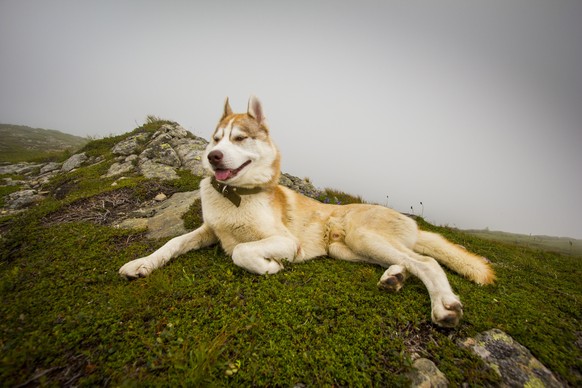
{"x":215,"y":157}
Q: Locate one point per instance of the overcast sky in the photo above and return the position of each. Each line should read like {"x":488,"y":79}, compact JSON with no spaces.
{"x":472,"y":107}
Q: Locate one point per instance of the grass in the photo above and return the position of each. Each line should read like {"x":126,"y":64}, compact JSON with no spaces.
{"x":338,"y":197}
{"x":69,"y":319}
{"x":565,"y":245}
{"x":203,"y":321}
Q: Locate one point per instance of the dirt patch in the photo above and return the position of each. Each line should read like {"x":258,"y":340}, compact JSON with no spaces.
{"x":102,"y":209}
{"x":417,"y":339}
{"x":110,"y":207}
{"x":78,"y":365}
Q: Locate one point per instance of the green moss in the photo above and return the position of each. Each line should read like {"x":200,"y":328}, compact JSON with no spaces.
{"x":202,"y":321}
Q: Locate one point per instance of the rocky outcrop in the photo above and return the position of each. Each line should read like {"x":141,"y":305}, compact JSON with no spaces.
{"x":155,"y":155}
{"x":513,"y":362}
{"x":303,"y":186}
{"x":49,"y":167}
{"x":19,"y":168}
{"x":162,"y":219}
{"x":22,"y":199}
{"x":159,"y":155}
{"x":34,"y":177}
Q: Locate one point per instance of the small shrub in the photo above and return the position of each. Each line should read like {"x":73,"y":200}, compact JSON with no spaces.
{"x":337,"y":197}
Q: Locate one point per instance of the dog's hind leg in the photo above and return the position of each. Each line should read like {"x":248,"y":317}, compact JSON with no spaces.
{"x":201,"y":237}
{"x":392,"y":280}
{"x":445,"y":305}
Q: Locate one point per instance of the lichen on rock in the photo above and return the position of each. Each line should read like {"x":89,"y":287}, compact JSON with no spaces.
{"x":513,"y":362}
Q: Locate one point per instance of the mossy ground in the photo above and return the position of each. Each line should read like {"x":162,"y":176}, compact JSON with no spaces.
{"x":67,"y":318}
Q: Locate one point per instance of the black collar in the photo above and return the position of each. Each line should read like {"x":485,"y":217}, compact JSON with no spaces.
{"x":233,"y":193}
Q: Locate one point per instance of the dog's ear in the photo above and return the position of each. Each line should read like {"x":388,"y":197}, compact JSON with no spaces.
{"x":227,"y":109}
{"x":255,"y":110}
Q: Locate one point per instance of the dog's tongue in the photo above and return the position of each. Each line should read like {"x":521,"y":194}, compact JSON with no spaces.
{"x":222,"y":175}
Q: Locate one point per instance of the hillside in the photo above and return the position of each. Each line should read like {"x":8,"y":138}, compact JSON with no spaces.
{"x":68,"y":319}
{"x":565,"y":245}
{"x":20,"y":143}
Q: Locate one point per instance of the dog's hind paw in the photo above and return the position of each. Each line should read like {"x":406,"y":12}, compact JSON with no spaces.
{"x":391,"y":283}
{"x":447,"y":312}
{"x":393,"y":279}
{"x":136,"y":269}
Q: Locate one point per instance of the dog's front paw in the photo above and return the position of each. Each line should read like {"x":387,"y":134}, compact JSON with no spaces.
{"x":136,"y":269}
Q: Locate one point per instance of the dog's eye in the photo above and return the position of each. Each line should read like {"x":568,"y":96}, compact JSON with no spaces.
{"x":216,"y":139}
{"x":240,"y":138}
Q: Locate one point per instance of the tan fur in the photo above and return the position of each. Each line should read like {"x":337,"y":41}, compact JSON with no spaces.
{"x":279,"y":225}
{"x":460,"y":260}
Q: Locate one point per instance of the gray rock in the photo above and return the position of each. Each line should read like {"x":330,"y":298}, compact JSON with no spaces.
{"x":130,"y":145}
{"x":52,"y":166}
{"x":174,"y":130}
{"x":161,"y":153}
{"x":22,"y":199}
{"x":190,"y":152}
{"x":425,"y":374}
{"x":302,"y":186}
{"x":119,"y":169}
{"x":165,"y":218}
{"x":46,"y":177}
{"x":19,"y":168}
{"x":170,"y":148}
{"x":151,"y":169}
{"x":73,"y":162}
{"x":12,"y":182}
{"x":514,"y":363}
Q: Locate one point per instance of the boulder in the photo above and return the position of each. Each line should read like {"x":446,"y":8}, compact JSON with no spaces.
{"x":190,"y":152}
{"x":74,"y":162}
{"x":425,"y":374}
{"x":19,"y":168}
{"x":302,"y":186}
{"x":164,"y":218}
{"x":151,"y":169}
{"x":513,"y":362}
{"x":129,"y":146}
{"x":12,"y":182}
{"x":52,"y":166}
{"x":119,"y":169}
{"x":22,"y":199}
{"x":162,"y":153}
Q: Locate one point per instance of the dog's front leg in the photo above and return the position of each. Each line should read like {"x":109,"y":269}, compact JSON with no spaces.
{"x":264,"y":256}
{"x":201,"y":237}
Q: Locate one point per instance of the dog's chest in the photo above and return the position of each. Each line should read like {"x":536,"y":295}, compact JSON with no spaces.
{"x":252,"y":220}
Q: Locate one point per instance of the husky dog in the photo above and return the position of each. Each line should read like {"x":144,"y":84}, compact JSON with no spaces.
{"x":262,"y":225}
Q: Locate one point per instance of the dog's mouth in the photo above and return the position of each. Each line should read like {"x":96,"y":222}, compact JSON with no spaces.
{"x":224,"y":174}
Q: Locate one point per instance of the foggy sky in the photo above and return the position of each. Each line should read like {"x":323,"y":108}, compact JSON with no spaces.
{"x":472,"y":107}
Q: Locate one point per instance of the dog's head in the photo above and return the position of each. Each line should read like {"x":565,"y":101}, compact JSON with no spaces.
{"x":240,"y":152}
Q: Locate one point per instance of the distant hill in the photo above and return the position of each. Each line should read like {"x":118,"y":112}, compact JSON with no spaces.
{"x":565,"y":245}
{"x":20,"y":143}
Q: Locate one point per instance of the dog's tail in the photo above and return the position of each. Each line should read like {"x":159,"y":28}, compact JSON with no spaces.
{"x":455,"y":257}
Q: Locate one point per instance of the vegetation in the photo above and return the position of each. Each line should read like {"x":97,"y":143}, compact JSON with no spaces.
{"x":69,"y":319}
{"x":569,"y":246}
{"x":338,"y":197}
{"x":21,"y":143}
